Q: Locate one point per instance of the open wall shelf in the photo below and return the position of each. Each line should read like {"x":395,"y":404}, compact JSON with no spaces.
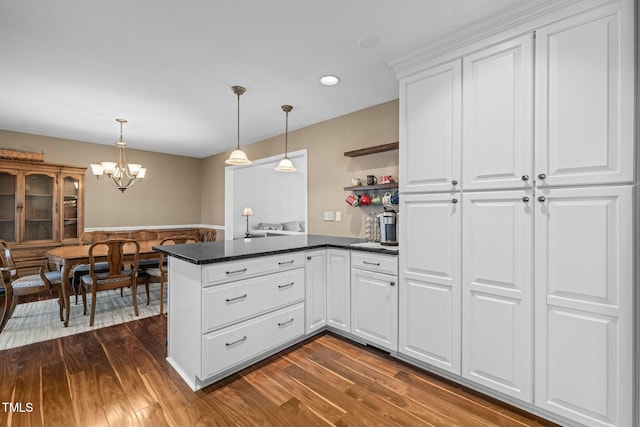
{"x":372,"y":150}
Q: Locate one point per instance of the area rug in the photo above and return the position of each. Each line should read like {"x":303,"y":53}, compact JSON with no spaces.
{"x":40,"y":321}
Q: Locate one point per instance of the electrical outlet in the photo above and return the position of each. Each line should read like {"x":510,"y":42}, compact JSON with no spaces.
{"x":338,"y":216}
{"x":328,"y":215}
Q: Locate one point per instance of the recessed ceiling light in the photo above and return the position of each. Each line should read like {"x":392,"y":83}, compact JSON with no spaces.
{"x":329,"y":80}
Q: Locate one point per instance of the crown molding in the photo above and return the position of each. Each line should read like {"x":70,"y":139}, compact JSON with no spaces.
{"x":518,"y":19}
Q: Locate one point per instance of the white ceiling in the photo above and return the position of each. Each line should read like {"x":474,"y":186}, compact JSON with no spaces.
{"x":68,"y":68}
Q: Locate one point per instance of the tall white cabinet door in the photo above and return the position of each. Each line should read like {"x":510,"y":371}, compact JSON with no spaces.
{"x":339,"y":289}
{"x":497,"y":286}
{"x":585,"y":99}
{"x":315,"y":289}
{"x":430,"y":129}
{"x":430,"y":288}
{"x":498,"y":116}
{"x":374,"y":308}
{"x":583,"y":307}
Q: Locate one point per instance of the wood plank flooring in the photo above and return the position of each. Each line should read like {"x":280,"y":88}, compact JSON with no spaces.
{"x":118,"y":376}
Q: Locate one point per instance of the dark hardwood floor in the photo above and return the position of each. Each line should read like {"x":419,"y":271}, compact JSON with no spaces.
{"x":118,"y":376}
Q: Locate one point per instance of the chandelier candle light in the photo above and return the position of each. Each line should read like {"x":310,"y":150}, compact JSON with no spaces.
{"x":119,"y":174}
{"x":285,"y":164}
{"x":238,"y":157}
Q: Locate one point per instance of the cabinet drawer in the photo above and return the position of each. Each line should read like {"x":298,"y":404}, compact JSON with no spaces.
{"x":225,"y":304}
{"x":387,"y":264}
{"x":239,"y":343}
{"x":233,"y":270}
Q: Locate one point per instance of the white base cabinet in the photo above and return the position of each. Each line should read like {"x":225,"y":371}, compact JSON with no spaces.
{"x":224,"y":316}
{"x":339,"y":289}
{"x":315,"y":284}
{"x":374,"y":299}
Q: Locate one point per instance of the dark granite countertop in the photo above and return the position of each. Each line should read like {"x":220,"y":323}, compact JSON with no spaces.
{"x":228,"y":250}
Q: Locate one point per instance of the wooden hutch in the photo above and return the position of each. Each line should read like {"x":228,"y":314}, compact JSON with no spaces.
{"x":41,"y":207}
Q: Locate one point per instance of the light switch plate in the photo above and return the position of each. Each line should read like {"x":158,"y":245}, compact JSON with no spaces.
{"x":338,"y":216}
{"x":328,"y":215}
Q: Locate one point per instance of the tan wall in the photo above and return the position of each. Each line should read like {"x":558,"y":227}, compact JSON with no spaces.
{"x":329,"y":170}
{"x":184,"y":190}
{"x":169,"y":195}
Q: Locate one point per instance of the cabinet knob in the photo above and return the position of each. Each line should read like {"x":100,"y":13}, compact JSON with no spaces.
{"x":542,"y":176}
{"x":525,"y":199}
{"x":525,"y":177}
{"x":542,"y":199}
{"x":454,"y":201}
{"x":454,"y":182}
{"x":308,"y":258}
{"x":392,"y":283}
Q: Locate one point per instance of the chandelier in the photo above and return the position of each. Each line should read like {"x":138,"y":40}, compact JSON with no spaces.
{"x":119,"y":174}
{"x":238,"y":157}
{"x":285,"y":164}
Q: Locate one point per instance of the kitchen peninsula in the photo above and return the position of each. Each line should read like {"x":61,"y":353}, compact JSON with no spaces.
{"x":233,"y":303}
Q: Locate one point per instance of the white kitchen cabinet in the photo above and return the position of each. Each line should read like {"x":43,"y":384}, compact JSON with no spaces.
{"x":374,"y":308}
{"x":497,"y":142}
{"x":584,"y":304}
{"x":585,"y":98}
{"x":430,"y":279}
{"x":430,"y":129}
{"x":339,"y":289}
{"x":497,"y":291}
{"x":316,"y":281}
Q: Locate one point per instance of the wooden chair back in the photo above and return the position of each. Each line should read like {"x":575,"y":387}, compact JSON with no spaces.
{"x":114,"y":249}
{"x":210,"y":235}
{"x":7,"y":267}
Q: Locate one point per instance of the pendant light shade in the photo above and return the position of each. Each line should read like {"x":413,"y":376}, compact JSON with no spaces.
{"x":238,"y":157}
{"x":286,"y":165}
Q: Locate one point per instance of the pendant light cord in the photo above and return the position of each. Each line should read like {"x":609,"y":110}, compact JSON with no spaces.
{"x":286,"y":135}
{"x":238,"y":120}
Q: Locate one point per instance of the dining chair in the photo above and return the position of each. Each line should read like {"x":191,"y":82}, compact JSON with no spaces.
{"x":120,"y":273}
{"x":15,"y":287}
{"x":210,"y":235}
{"x":159,"y":274}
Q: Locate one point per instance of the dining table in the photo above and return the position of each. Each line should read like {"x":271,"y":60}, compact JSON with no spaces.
{"x":69,"y":256}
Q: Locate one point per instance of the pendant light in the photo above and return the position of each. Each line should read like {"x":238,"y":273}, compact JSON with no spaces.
{"x":238,"y":157}
{"x":285,"y":164}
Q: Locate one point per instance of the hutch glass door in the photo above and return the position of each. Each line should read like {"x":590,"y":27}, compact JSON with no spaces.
{"x":70,"y":189}
{"x":39,"y":203}
{"x":8,"y":207}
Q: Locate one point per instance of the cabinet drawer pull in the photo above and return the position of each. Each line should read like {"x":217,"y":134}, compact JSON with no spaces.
{"x":236,"y":298}
{"x":525,"y":199}
{"x":229,"y":344}
{"x":286,"y":323}
{"x":286,"y":285}
{"x":237,"y":271}
{"x":287,"y":262}
{"x":542,"y":199}
{"x":371,"y":263}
